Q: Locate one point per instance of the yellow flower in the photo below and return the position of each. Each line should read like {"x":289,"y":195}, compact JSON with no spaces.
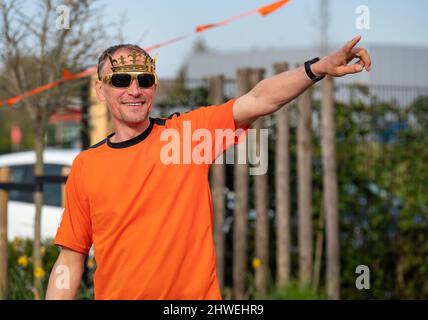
{"x":16,"y":242}
{"x":256,"y":263}
{"x":90,"y":263}
{"x":39,"y":272}
{"x":23,"y":261}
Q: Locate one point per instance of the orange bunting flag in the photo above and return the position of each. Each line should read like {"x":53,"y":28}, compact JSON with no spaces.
{"x":16,"y":99}
{"x":67,"y":75}
{"x":83,"y":74}
{"x":166,"y":43}
{"x":224,"y":22}
{"x":264,"y":11}
{"x":204,"y":27}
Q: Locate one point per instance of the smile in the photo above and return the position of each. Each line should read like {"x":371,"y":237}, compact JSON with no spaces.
{"x":134,"y":104}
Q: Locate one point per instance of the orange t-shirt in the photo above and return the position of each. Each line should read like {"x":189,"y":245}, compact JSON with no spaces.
{"x":150,"y":222}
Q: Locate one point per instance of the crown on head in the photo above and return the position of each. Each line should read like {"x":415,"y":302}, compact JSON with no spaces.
{"x":135,"y":61}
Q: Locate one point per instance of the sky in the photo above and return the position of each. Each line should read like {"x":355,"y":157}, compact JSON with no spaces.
{"x":294,"y":25}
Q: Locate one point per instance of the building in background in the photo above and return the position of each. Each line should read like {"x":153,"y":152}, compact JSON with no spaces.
{"x":392,"y":66}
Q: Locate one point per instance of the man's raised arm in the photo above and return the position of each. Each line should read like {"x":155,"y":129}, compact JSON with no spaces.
{"x":272,"y":93}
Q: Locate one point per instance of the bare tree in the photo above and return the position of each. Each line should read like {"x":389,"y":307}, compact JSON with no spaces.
{"x":35,"y":49}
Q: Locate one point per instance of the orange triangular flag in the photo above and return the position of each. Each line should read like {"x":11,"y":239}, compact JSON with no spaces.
{"x":264,"y":11}
{"x":66,"y":75}
{"x":205,"y":27}
{"x":13,"y":100}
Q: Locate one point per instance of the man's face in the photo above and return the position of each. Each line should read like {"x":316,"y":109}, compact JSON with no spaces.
{"x":131,"y":105}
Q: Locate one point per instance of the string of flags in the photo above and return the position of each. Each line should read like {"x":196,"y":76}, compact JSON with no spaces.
{"x":68,"y":76}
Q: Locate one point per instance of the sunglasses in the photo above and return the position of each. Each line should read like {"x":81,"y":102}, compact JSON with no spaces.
{"x":124,"y":80}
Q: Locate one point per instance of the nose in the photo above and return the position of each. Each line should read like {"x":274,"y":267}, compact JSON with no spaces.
{"x":134,"y":89}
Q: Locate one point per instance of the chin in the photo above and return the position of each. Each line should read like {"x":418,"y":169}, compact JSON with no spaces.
{"x":135,"y":115}
{"x":132,"y":119}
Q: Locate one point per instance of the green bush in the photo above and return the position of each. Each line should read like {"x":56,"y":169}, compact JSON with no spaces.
{"x":293,"y":291}
{"x":21,"y":271}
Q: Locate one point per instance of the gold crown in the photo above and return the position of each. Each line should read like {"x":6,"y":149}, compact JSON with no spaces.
{"x":133,"y":62}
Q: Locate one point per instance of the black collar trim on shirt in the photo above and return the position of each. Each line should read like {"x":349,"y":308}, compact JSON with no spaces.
{"x":98,"y":144}
{"x":162,"y":121}
{"x":132,"y":141}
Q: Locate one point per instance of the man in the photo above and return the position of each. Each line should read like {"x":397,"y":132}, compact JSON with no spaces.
{"x":151,"y":222}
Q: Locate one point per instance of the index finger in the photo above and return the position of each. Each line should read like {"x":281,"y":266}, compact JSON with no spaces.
{"x":352,"y":43}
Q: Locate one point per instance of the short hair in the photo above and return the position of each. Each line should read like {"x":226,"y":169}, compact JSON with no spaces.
{"x":111,"y":50}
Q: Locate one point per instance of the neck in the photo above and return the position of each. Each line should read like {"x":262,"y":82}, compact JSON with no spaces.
{"x":125,"y":132}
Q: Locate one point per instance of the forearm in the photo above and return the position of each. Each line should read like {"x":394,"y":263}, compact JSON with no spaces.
{"x":272,"y":93}
{"x":65,"y":277}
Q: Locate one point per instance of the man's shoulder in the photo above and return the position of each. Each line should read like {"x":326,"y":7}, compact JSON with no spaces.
{"x":93,"y":151}
{"x":193,"y":114}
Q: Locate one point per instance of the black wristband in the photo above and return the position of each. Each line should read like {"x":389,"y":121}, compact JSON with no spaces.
{"x":309,"y":72}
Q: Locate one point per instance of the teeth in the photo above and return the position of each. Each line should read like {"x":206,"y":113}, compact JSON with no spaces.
{"x":134,"y":104}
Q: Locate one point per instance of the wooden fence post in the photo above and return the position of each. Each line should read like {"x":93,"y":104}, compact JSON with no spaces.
{"x":304,"y":183}
{"x":64,"y":172}
{"x":4,"y":197}
{"x":282,"y":190}
{"x":261,"y":203}
{"x":216,"y":96}
{"x":330,"y":187}
{"x":99,"y":116}
{"x":240,"y":226}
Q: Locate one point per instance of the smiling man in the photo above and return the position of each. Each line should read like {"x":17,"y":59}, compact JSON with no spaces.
{"x":151,"y":223}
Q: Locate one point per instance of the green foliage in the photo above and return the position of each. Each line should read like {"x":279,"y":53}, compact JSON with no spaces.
{"x":21,"y":271}
{"x":290,"y":291}
{"x":383,"y":195}
{"x":200,"y":46}
{"x":382,"y":159}
{"x":293,"y":291}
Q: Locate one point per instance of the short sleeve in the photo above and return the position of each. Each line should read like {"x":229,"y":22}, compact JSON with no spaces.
{"x":75,"y":229}
{"x":218,"y":120}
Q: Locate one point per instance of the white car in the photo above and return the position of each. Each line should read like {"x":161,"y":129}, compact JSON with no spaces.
{"x":21,"y":209}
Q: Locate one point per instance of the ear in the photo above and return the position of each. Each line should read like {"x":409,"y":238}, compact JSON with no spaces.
{"x":99,"y":90}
